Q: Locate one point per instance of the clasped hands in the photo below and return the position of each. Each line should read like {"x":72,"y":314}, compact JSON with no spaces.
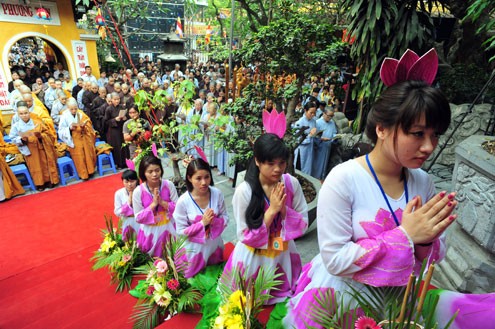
{"x":425,"y":223}
{"x":277,"y":204}
{"x":207,"y":217}
{"x":157,"y":200}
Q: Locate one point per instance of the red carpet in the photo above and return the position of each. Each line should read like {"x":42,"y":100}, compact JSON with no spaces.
{"x":46,"y":279}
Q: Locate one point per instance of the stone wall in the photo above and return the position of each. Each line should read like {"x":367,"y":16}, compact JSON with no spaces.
{"x":469,"y":265}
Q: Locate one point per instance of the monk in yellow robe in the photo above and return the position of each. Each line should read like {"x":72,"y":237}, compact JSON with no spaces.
{"x":76,"y":130}
{"x":34,"y":141}
{"x":11,"y":186}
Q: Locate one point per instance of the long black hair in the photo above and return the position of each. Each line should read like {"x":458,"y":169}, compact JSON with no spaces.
{"x":268,"y":147}
{"x":193,"y":167}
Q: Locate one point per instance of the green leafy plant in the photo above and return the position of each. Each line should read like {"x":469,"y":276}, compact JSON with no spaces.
{"x":166,"y":291}
{"x":391,"y":307}
{"x":120,"y":257}
{"x":243,"y":299}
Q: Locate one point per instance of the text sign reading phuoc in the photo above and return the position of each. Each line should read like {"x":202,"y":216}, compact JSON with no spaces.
{"x":14,"y":11}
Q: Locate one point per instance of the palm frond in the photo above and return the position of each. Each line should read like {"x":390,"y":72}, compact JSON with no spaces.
{"x":188,"y":299}
{"x":105,"y":260}
{"x":145,"y":316}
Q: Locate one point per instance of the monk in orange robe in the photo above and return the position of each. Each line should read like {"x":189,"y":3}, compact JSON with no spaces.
{"x":34,"y":141}
{"x":75,"y":129}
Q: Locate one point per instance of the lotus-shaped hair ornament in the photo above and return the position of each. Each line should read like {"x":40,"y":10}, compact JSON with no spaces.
{"x":410,"y":67}
{"x":274,"y":122}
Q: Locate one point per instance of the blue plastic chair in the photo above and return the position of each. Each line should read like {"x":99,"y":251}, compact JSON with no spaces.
{"x":21,"y":169}
{"x":66,"y":166}
{"x":105,"y":160}
{"x":7,"y":139}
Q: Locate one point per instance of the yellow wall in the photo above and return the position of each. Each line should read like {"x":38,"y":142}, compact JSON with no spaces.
{"x":60,"y":35}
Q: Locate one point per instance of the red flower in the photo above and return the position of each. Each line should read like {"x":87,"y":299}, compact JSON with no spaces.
{"x":147,"y":135}
{"x":150,"y":290}
{"x":173,"y":284}
{"x":365,"y":322}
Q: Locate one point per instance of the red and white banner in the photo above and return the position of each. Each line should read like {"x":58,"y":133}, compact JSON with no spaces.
{"x":4,"y":91}
{"x":15,"y":11}
{"x":80,"y":56}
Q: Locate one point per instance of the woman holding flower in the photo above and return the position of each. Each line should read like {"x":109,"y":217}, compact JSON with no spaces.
{"x":135,"y":130}
{"x":153,"y":203}
{"x":201,"y":216}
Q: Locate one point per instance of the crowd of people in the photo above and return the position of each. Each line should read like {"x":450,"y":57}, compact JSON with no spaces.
{"x":104,"y":108}
{"x":378,"y":215}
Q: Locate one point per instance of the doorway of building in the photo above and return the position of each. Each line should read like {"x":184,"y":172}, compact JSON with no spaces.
{"x":33,"y":57}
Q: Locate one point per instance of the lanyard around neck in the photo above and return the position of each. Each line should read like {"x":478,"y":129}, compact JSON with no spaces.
{"x":383,"y":191}
{"x":197,"y":205}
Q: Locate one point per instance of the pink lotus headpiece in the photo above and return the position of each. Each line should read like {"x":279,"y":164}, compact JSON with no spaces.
{"x":130,"y":164}
{"x":410,"y":67}
{"x":201,"y":153}
{"x":274,"y":122}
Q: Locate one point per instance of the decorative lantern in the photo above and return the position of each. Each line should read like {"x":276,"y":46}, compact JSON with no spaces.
{"x":100,"y":21}
{"x":42,"y":13}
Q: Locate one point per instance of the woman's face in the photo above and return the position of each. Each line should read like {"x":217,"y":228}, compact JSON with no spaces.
{"x":272,"y":171}
{"x":129,"y":184}
{"x":133,"y":113}
{"x":310,"y":113}
{"x":413,"y":148}
{"x":153,"y":173}
{"x":200,"y":180}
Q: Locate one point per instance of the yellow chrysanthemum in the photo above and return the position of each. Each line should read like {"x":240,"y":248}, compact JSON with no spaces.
{"x":234,"y":322}
{"x":107,"y":245}
{"x":235,"y":299}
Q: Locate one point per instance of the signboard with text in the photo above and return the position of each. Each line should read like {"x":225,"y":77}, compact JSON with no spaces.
{"x":4,"y":91}
{"x":14,"y":11}
{"x":80,"y":56}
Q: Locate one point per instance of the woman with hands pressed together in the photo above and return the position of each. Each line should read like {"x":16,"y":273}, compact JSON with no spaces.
{"x":201,"y":215}
{"x":270,"y":212}
{"x":154,"y":203}
{"x":378,"y":215}
{"x":123,"y":204}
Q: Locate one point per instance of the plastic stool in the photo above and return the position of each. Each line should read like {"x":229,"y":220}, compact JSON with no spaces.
{"x":106,"y":159}
{"x":66,"y":166}
{"x":21,"y":169}
{"x":6,"y":139}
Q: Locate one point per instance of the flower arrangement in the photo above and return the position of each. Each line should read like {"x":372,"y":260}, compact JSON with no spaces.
{"x":166,"y":291}
{"x":242,"y":300}
{"x":121,"y":257}
{"x":380,"y":307}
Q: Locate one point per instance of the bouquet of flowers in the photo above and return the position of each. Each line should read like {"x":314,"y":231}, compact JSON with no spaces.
{"x":121,"y":257}
{"x":166,"y":291}
{"x":242,"y":300}
{"x":380,"y":307}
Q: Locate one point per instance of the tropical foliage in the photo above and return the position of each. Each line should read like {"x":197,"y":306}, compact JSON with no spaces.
{"x":166,"y":291}
{"x":119,"y":256}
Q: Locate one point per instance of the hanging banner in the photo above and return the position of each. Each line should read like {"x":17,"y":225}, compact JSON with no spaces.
{"x":4,"y":92}
{"x":80,"y":56}
{"x":19,"y":12}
